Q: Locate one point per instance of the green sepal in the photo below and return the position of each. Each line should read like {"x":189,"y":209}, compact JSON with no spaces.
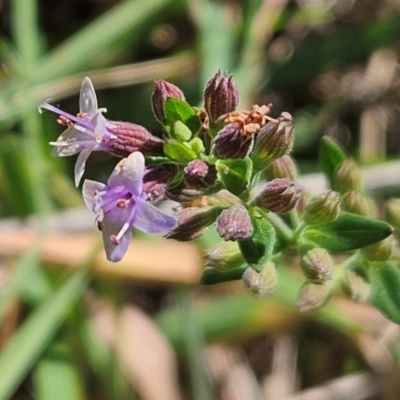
{"x":179,"y":110}
{"x":258,"y":248}
{"x":330,"y":156}
{"x":212,"y":276}
{"x":348,"y":232}
{"x":180,"y":131}
{"x":235,"y":174}
{"x":384,"y":279}
{"x":179,"y":152}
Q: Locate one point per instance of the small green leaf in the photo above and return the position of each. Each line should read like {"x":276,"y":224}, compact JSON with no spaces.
{"x":330,"y":156}
{"x":212,"y":276}
{"x":235,"y":174}
{"x":385,"y":289}
{"x":179,"y":110}
{"x":347,"y":232}
{"x":258,"y":248}
{"x":180,"y":131}
{"x":178,"y":151}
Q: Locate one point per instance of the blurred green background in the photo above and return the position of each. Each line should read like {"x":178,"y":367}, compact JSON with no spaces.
{"x":72,"y":333}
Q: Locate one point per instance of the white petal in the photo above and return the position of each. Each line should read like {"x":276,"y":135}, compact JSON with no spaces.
{"x":87,"y":98}
{"x":80,"y":165}
{"x":89,"y":189}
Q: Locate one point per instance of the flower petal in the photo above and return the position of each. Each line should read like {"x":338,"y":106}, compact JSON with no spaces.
{"x":80,"y":164}
{"x":129,"y":173}
{"x":87,"y":98}
{"x":151,"y":219}
{"x":89,"y":189}
{"x":70,"y":142}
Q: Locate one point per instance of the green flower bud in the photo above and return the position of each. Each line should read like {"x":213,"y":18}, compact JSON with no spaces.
{"x":347,"y":177}
{"x":224,"y":256}
{"x":279,"y":195}
{"x":393,"y":213}
{"x":261,"y":283}
{"x":193,"y":222}
{"x":313,"y":296}
{"x":355,"y":202}
{"x":274,"y":140}
{"x":317,"y":265}
{"x":379,"y":251}
{"x":282,"y":168}
{"x":322,"y":208}
{"x":355,"y":286}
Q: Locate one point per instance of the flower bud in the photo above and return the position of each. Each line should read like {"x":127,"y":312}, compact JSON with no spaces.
{"x":393,"y":213}
{"x":379,"y":251}
{"x":313,"y":296}
{"x":163,"y":90}
{"x":232,"y":143}
{"x":132,"y":137}
{"x":283,"y":167}
{"x":355,"y":286}
{"x":200,"y":175}
{"x":279,"y":195}
{"x":274,"y":140}
{"x":263,"y":282}
{"x":355,"y":202}
{"x":224,"y":256}
{"x":322,"y":208}
{"x":317,"y":265}
{"x":183,"y":194}
{"x":347,"y":177}
{"x":156,"y":179}
{"x":234,"y":223}
{"x":221,"y":96}
{"x":193,"y":222}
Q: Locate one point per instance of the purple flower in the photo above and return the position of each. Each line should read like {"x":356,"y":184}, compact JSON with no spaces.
{"x":123,"y":205}
{"x":85,"y":133}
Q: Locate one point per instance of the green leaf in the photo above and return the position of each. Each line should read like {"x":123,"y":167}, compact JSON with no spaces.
{"x":330,"y":156}
{"x":179,"y":110}
{"x":347,"y":232}
{"x":385,"y":289}
{"x":258,"y":248}
{"x":180,"y":131}
{"x":179,"y":152}
{"x":212,"y":276}
{"x":35,"y":334}
{"x":235,"y":174}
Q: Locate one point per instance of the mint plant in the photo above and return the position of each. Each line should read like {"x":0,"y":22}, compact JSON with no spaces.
{"x":211,"y":161}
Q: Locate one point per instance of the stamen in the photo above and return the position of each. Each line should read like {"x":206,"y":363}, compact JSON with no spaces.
{"x":114,"y":240}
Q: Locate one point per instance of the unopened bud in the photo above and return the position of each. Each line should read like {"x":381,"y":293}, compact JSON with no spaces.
{"x":224,"y":256}
{"x":274,"y":140}
{"x":183,"y":194}
{"x":232,"y":143}
{"x":283,"y":167}
{"x":355,"y":202}
{"x":234,"y":223}
{"x":322,"y":208}
{"x":163,"y":90}
{"x":221,"y":96}
{"x":393,"y":213}
{"x":317,"y":265}
{"x":193,"y":222}
{"x":200,"y":175}
{"x":379,"y":251}
{"x":347,"y":177}
{"x":313,"y":296}
{"x":261,"y":283}
{"x":156,"y":179}
{"x":132,"y":137}
{"x":279,"y":195}
{"x":356,"y":286}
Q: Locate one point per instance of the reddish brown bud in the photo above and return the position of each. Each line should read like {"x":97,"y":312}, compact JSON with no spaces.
{"x":183,"y":194}
{"x":221,"y":95}
{"x":231,"y":143}
{"x":279,"y":195}
{"x":274,"y":140}
{"x":156,"y":179}
{"x":163,"y":90}
{"x":132,"y":137}
{"x":283,"y":167}
{"x":200,"y":175}
{"x":234,"y":223}
{"x":193,"y":222}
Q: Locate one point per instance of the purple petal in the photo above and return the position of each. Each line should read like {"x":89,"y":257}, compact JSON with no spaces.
{"x":150,"y":219}
{"x":87,"y":98}
{"x":89,"y":189}
{"x":80,"y":165}
{"x":129,"y":173}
